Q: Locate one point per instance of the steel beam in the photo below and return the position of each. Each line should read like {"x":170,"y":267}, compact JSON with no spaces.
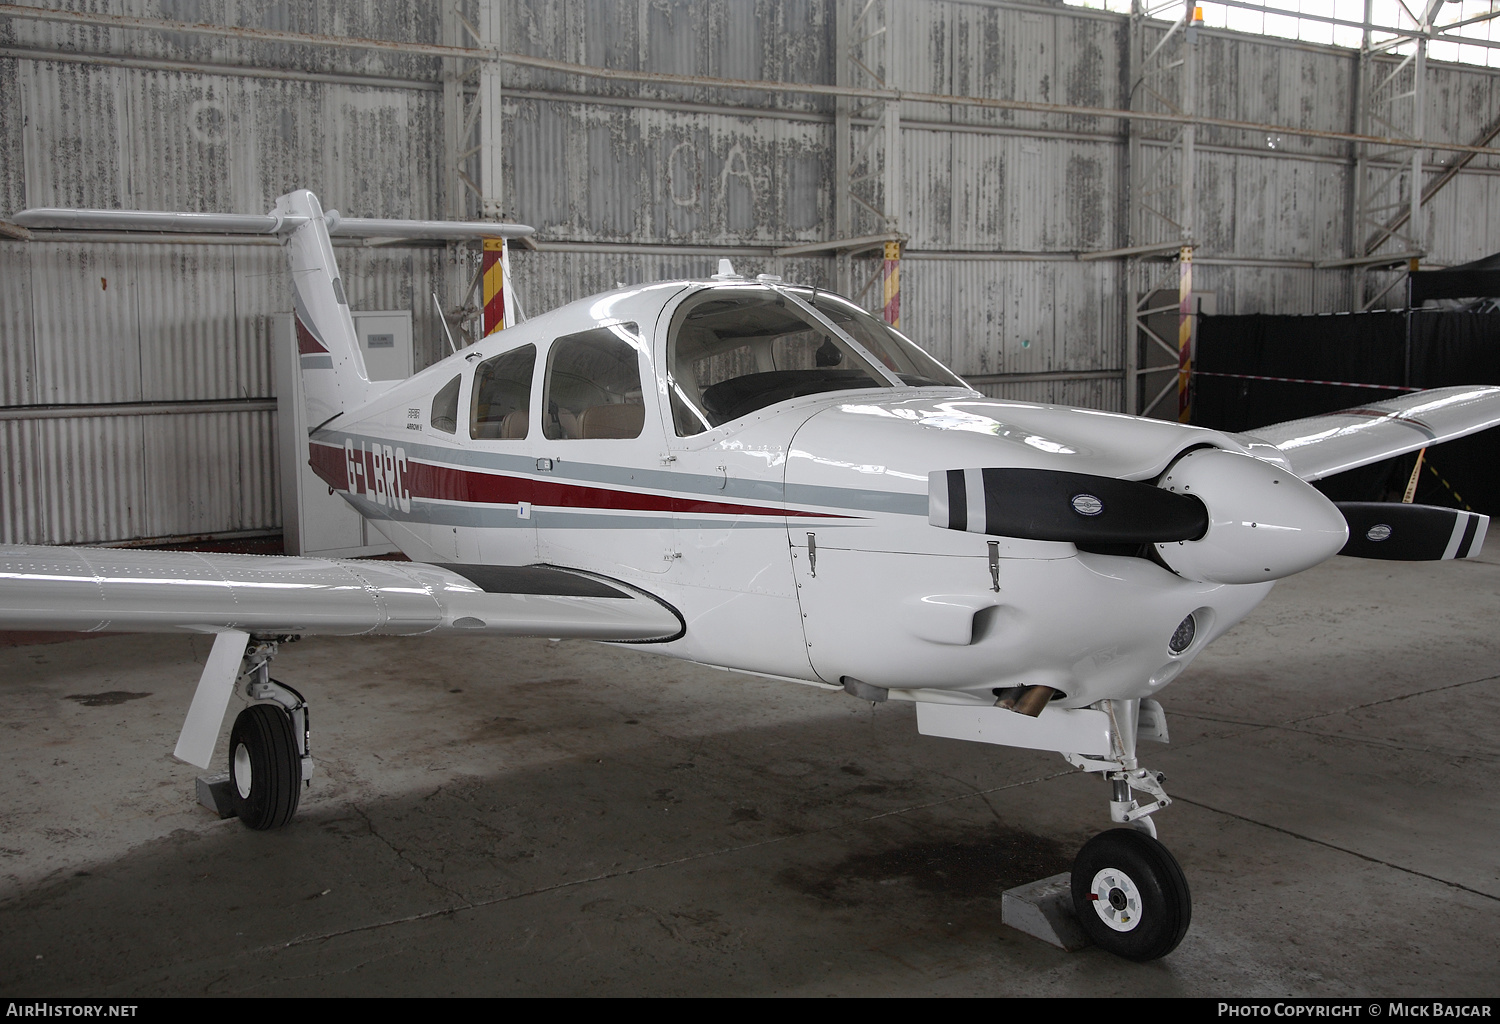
{"x":491,"y":189}
{"x":802,"y":88}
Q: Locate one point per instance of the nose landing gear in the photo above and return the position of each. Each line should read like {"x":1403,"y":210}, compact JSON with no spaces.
{"x":1129,"y":893}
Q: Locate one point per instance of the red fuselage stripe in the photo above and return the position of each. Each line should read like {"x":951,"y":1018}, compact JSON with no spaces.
{"x":447,"y":483}
{"x":329,"y":464}
{"x":306,"y":343}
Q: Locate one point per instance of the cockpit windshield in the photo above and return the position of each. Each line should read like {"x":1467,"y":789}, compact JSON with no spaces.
{"x":899,"y":354}
{"x":732,"y":351}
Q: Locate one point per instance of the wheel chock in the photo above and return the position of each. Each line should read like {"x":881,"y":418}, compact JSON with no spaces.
{"x":213,"y":793}
{"x":1044,"y":910}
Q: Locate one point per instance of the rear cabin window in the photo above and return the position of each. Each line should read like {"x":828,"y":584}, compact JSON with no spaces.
{"x":594,"y":385}
{"x":501,"y":409}
{"x":445,"y":407}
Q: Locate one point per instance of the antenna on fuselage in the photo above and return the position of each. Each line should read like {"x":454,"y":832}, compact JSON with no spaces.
{"x":726,"y":272}
{"x":442,"y":318}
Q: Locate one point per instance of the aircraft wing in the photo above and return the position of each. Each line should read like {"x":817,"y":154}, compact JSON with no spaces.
{"x":134,"y":591}
{"x":1320,"y":446}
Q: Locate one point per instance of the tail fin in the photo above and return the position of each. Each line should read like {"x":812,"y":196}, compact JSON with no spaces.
{"x":334,"y":378}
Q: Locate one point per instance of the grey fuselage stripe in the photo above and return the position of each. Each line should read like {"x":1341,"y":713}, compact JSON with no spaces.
{"x":504,"y":517}
{"x":823,"y":497}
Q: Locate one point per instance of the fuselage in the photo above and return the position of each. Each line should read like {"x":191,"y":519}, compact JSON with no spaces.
{"x":787,"y":521}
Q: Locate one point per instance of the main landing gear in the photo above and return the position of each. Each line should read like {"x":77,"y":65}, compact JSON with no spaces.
{"x":1129,"y":892}
{"x":269,"y":759}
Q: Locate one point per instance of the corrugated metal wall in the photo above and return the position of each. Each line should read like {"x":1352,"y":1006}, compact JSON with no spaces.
{"x":114,"y":328}
{"x":644,"y":181}
{"x":629,"y":174}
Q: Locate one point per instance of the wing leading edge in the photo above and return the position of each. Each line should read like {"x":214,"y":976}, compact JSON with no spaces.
{"x":124,"y":590}
{"x":1320,"y":446}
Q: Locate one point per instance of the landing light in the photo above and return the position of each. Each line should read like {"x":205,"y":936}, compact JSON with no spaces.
{"x":1182,"y":636}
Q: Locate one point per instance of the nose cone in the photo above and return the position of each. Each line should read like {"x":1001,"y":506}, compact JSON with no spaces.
{"x":1263,"y":522}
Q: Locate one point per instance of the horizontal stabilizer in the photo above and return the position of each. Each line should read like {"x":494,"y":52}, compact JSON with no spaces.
{"x":1044,"y":504}
{"x":335,"y":379}
{"x":132,"y":591}
{"x":1411,"y":533}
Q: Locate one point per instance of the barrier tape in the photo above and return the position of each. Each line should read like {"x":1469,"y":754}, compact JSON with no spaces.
{"x":1299,"y":380}
{"x":1431,"y":469}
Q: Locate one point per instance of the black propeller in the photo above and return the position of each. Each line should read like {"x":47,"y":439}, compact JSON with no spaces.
{"x":1411,"y":533}
{"x":1045,"y":504}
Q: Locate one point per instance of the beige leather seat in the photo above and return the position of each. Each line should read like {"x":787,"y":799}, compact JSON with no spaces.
{"x":619,"y":420}
{"x":513,"y":427}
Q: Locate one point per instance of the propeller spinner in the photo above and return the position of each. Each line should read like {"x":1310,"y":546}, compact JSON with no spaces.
{"x":1215,"y":516}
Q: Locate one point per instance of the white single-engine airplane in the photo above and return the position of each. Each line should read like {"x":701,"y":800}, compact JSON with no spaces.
{"x":763,"y":477}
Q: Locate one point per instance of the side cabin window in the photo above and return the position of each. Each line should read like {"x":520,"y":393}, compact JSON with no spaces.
{"x":594,"y":385}
{"x":445,"y":407}
{"x":501,"y":407}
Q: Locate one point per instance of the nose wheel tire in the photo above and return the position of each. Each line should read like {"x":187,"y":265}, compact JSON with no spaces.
{"x":1130,"y":895}
{"x":265,"y":771}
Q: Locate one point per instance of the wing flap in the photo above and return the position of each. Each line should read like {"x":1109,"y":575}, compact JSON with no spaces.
{"x":90,"y":589}
{"x":1320,"y":446}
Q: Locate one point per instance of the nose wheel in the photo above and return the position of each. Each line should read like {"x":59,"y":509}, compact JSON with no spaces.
{"x":1130,"y":895}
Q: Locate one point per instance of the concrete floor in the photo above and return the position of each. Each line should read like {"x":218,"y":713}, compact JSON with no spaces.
{"x":524,"y":817}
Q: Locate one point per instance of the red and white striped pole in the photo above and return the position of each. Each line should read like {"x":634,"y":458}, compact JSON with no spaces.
{"x":1185,"y":334}
{"x":495,"y":274}
{"x":892,"y":308}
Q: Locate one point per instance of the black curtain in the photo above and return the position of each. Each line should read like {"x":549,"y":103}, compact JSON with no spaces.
{"x":1362,"y":348}
{"x":1480,"y":279}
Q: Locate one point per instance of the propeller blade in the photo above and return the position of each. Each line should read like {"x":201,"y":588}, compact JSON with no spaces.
{"x":1044,"y":504}
{"x":1411,"y":533}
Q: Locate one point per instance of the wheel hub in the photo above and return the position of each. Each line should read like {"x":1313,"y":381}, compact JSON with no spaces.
{"x":1116,"y":899}
{"x":242,"y":771}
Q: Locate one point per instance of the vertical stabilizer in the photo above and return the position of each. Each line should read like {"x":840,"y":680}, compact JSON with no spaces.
{"x":334,"y":378}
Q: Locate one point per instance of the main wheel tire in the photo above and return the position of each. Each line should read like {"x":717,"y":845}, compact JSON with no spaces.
{"x":1130,"y":895}
{"x":265,"y":770}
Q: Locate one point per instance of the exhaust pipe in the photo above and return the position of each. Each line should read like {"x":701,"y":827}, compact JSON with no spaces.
{"x":1027,"y":700}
